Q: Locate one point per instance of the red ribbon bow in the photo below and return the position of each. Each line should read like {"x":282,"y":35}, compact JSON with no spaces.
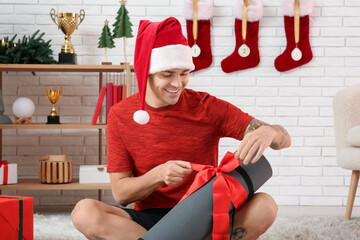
{"x":226,"y":189}
{"x":5,"y":163}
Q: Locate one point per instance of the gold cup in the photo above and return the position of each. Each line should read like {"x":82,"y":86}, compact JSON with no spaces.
{"x":53,"y":96}
{"x":67,"y":22}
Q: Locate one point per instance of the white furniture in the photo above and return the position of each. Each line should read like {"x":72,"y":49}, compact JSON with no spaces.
{"x":347,"y":136}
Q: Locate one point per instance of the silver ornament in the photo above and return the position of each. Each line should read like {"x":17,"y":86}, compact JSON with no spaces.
{"x":296,"y":54}
{"x":195,"y":50}
{"x":244,"y":50}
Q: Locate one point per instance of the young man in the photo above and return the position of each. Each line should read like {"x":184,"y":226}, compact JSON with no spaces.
{"x":149,"y":160}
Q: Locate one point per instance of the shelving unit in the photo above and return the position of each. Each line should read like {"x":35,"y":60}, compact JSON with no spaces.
{"x":35,"y":184}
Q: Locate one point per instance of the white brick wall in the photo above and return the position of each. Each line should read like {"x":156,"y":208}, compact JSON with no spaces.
{"x":300,"y":100}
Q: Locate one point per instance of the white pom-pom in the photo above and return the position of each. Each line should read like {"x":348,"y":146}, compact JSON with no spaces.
{"x":23,"y":107}
{"x":141,"y":117}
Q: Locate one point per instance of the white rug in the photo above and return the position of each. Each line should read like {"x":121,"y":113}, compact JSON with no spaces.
{"x":55,"y":227}
{"x":314,"y":228}
{"x":59,"y":227}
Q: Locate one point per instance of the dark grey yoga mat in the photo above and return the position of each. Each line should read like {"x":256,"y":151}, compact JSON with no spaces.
{"x":191,"y":219}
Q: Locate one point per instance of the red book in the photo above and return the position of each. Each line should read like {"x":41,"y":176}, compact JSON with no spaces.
{"x":16,"y":219}
{"x":109,"y":98}
{"x":98,"y":105}
{"x":119,"y":93}
{"x":124,"y":92}
{"x":115,"y":94}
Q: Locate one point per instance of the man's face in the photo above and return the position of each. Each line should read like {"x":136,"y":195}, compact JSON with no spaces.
{"x":164,"y":88}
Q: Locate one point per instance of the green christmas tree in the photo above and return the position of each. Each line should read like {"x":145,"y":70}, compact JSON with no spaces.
{"x":105,"y":40}
{"x":30,"y":50}
{"x":122,"y":26}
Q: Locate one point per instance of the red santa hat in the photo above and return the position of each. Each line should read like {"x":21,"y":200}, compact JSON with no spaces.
{"x":159,"y":46}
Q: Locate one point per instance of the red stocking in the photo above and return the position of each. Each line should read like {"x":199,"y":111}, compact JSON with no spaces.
{"x":204,"y":14}
{"x":249,"y":58}
{"x":286,"y":61}
{"x":204,"y":60}
{"x":235,"y":62}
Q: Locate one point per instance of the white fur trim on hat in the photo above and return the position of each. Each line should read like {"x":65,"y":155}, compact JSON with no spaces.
{"x":288,"y":7}
{"x":254,"y":10}
{"x":141,"y":117}
{"x":205,"y":9}
{"x":171,"y":57}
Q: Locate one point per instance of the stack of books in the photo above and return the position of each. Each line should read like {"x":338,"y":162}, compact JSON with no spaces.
{"x":114,"y":94}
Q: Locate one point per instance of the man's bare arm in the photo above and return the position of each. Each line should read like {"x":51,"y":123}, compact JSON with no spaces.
{"x":282,"y":138}
{"x":258,"y":137}
{"x":127,"y":189}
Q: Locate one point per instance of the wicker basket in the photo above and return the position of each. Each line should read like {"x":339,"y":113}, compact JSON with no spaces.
{"x":55,"y":171}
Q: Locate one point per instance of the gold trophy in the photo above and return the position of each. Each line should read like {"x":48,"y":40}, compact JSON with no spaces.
{"x":67,"y":22}
{"x":53,"y":96}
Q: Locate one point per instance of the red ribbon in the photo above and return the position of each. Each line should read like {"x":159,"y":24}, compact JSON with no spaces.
{"x":5,"y":163}
{"x":226,"y":189}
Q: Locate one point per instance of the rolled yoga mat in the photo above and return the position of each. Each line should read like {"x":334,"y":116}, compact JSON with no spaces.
{"x":192,"y":218}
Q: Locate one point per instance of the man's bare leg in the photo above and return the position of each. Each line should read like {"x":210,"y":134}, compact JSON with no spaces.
{"x":253,"y":218}
{"x":98,"y":221}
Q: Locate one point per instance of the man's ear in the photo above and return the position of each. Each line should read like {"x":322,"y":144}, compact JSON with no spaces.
{"x":150,"y":78}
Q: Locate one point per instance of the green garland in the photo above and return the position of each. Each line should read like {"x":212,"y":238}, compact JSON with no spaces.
{"x":31,"y":50}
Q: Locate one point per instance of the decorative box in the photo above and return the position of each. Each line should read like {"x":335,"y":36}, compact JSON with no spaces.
{"x":93,"y":174}
{"x":55,"y":169}
{"x":8,"y":173}
{"x":16,"y":221}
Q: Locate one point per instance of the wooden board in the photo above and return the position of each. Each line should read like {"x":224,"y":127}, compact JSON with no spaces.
{"x":61,"y":68}
{"x":34,"y":184}
{"x":53,"y":126}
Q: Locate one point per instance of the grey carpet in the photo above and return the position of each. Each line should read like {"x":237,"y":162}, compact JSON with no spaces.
{"x":314,"y":228}
{"x":58,"y":226}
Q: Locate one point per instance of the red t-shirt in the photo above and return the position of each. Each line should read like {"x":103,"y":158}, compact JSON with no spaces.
{"x":190,"y":131}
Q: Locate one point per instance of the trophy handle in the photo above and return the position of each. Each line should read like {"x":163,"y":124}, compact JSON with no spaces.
{"x":46,"y":92}
{"x":81,"y":16}
{"x":53,"y":16}
{"x":61,"y":92}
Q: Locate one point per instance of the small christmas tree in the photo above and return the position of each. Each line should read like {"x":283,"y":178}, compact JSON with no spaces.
{"x":30,"y":50}
{"x":106,"y":40}
{"x":122,"y":26}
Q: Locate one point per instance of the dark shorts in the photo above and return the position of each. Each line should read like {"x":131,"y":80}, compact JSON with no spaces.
{"x":148,"y":217}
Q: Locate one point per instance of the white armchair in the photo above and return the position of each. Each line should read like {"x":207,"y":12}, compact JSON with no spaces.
{"x":347,"y":136}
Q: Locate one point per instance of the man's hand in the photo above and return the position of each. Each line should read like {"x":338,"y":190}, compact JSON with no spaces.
{"x":255,"y":142}
{"x":257,"y":137}
{"x":173,"y":172}
{"x":127,"y":189}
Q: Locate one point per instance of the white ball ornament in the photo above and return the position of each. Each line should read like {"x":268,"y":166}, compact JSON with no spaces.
{"x":141,"y":117}
{"x":23,"y":107}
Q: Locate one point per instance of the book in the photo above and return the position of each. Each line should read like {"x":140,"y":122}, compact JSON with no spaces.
{"x":98,"y":105}
{"x":124,"y":92}
{"x":109,"y":98}
{"x":115,"y":92}
{"x":119,"y":93}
